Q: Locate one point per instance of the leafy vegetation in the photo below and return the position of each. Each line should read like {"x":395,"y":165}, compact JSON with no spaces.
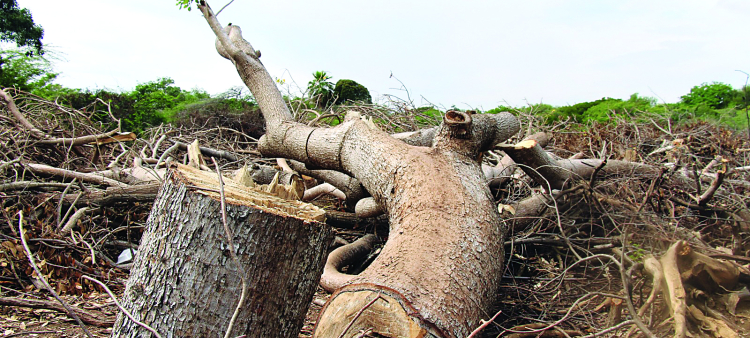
{"x":716,"y":95}
{"x":320,"y":89}
{"x":716,"y":102}
{"x":149,"y":104}
{"x":351,"y":91}
{"x":25,"y":72}
{"x":161,"y":101}
{"x":17,"y":25}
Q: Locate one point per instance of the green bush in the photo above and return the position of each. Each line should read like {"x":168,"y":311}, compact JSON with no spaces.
{"x":575,"y":112}
{"x":716,"y":95}
{"x":499,"y":109}
{"x":149,"y":104}
{"x":155,"y":103}
{"x":21,"y":71}
{"x":351,"y":91}
{"x":427,"y":116}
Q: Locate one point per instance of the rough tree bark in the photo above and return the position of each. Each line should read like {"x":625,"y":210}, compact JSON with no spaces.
{"x":440,"y":268}
{"x":185,"y":282}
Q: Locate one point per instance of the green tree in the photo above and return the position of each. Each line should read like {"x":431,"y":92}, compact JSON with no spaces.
{"x":716,"y":95}
{"x":499,"y":109}
{"x":575,"y":112}
{"x":25,"y":72}
{"x":16,"y":25}
{"x":320,"y":89}
{"x":155,"y":103}
{"x":349,"y":90}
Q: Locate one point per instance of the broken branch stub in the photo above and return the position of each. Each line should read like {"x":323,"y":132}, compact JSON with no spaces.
{"x":538,"y":164}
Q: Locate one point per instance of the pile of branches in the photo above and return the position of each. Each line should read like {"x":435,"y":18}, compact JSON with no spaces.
{"x":655,"y":238}
{"x":80,"y":190}
{"x":653,"y":243}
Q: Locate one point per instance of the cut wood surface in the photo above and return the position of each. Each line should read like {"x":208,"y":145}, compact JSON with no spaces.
{"x":183,"y":282}
{"x":353,"y":311}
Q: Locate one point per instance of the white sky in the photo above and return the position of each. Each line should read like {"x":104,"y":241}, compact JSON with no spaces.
{"x":471,"y":53}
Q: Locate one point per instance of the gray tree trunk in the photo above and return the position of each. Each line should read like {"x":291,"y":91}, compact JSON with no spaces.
{"x":184,"y":282}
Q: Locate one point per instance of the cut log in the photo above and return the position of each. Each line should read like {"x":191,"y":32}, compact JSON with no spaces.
{"x":440,"y":268}
{"x":184,"y":282}
{"x":358,"y":309}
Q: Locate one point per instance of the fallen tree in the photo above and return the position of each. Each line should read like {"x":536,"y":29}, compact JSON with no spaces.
{"x":574,"y":200}
{"x":439,"y":270}
{"x":442,"y":262}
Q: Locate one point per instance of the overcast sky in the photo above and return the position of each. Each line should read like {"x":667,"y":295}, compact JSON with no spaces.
{"x":471,"y":53}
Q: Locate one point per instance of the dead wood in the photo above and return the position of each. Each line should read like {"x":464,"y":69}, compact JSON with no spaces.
{"x":321,"y":189}
{"x":11,"y":104}
{"x":65,"y":174}
{"x":537,"y":248}
{"x":533,"y":331}
{"x":24,"y":185}
{"x":537,"y":163}
{"x":367,"y":207}
{"x":680,"y":268}
{"x":499,"y":174}
{"x":87,"y":317}
{"x":348,"y":220}
{"x":350,"y":186}
{"x":400,"y":177}
{"x":209,"y":152}
{"x":110,"y":196}
{"x":98,"y":139}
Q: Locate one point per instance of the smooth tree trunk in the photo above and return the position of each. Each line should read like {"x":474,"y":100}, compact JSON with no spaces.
{"x":185,"y":283}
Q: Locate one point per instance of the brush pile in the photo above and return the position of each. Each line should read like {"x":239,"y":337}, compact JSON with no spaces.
{"x":658,"y":247}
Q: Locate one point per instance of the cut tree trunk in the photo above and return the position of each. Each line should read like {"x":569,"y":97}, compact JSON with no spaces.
{"x":440,"y":269}
{"x":185,"y":282}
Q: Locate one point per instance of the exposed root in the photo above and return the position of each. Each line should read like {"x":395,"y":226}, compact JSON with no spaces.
{"x":332,"y":277}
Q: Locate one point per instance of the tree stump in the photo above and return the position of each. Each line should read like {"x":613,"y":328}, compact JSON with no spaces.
{"x":184,"y":282}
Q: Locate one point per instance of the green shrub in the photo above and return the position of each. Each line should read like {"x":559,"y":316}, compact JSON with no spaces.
{"x":499,"y":109}
{"x":427,"y":116}
{"x":155,"y":103}
{"x":149,"y":104}
{"x":351,"y":91}
{"x":21,"y":71}
{"x":716,"y":95}
{"x":575,"y":112}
